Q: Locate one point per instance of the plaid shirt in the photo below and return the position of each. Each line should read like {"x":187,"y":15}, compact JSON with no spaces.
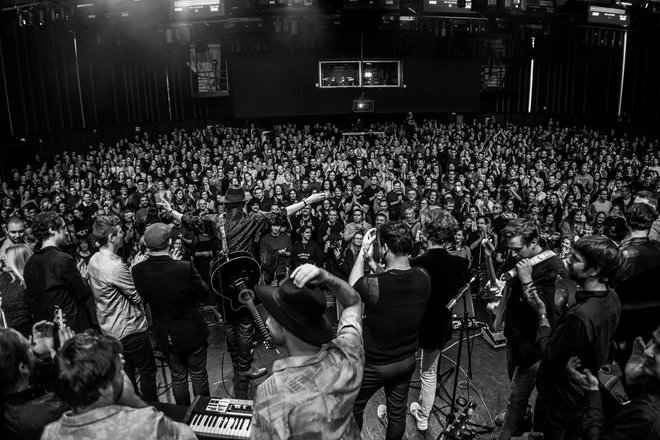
{"x":118,"y":422}
{"x":313,"y":397}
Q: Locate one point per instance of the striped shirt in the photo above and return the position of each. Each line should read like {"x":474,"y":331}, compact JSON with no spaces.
{"x":242,"y":229}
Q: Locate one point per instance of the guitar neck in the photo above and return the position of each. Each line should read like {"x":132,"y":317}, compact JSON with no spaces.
{"x":259,"y":323}
{"x":491,"y":270}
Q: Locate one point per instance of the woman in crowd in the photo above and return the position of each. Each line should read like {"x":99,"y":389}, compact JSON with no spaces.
{"x":15,"y":304}
{"x":573,"y":226}
{"x":306,"y":250}
{"x":458,"y":246}
{"x":565,"y":250}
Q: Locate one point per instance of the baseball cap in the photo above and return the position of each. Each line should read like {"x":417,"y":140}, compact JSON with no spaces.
{"x":157,"y":236}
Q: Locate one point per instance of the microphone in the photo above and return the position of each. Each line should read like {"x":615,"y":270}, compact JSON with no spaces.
{"x":506,"y":276}
{"x":461,"y":292}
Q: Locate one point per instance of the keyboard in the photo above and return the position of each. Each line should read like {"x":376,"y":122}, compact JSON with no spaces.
{"x":215,"y":418}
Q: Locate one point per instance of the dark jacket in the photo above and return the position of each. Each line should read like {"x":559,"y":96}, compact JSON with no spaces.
{"x":448,"y":274}
{"x":52,"y":279}
{"x":586,"y":331}
{"x":640,"y":302}
{"x":24,"y":415}
{"x":15,"y":304}
{"x":639,"y":419}
{"x":173,"y":290}
{"x":639,"y":254}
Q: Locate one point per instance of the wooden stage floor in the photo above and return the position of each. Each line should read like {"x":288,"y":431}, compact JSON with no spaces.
{"x":488,"y":388}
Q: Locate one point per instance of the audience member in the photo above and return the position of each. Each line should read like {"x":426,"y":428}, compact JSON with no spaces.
{"x":15,"y":303}
{"x":173,"y":289}
{"x":53,"y":279}
{"x":119,"y":308}
{"x":585,"y":329}
{"x":566,"y":176}
{"x":89,"y":379}
{"x":27,"y":405}
{"x":15,"y":234}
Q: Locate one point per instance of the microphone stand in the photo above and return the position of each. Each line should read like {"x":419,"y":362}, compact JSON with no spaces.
{"x":464,"y":330}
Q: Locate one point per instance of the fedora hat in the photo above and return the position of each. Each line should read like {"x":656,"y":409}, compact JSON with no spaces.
{"x":300,"y":309}
{"x":235,"y":195}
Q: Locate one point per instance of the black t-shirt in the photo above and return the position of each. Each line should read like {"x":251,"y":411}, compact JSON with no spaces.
{"x":448,"y":274}
{"x":395,"y":302}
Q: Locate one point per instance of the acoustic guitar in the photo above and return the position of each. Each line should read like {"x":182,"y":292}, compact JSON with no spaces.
{"x":233,"y":277}
{"x":499,"y":288}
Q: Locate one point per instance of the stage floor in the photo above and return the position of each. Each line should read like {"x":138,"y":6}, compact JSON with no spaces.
{"x":489,"y":385}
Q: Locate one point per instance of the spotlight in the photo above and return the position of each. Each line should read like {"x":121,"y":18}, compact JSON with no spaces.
{"x":363,"y":105}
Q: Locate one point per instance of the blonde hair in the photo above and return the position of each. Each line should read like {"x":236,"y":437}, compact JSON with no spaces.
{"x":15,"y":258}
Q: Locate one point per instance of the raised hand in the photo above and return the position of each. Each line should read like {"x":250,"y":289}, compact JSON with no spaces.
{"x":368,"y":239}
{"x":65,"y":333}
{"x":308,"y":273}
{"x":315,"y":198}
{"x":82,"y":268}
{"x":167,"y":206}
{"x":176,"y":254}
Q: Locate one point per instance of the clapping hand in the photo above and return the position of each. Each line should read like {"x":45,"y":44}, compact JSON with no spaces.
{"x":533,"y":300}
{"x":82,"y":268}
{"x":585,"y":379}
{"x":635,"y":366}
{"x":139,"y":258}
{"x":176,"y":254}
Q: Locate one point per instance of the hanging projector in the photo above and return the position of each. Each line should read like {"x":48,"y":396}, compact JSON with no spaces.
{"x":362,"y":105}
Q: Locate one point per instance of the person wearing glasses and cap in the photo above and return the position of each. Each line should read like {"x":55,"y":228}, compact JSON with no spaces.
{"x":326,"y":369}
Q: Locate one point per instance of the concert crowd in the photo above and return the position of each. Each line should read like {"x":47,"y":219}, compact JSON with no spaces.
{"x":124,"y":240}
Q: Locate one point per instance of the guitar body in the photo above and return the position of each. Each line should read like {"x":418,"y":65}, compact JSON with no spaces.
{"x":233,"y":277}
{"x":226,"y":271}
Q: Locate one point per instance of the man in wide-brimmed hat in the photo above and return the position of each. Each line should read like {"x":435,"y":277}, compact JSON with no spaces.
{"x":322,"y":368}
{"x":240,"y":229}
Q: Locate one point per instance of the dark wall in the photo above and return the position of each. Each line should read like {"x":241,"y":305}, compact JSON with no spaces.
{"x":131,"y":76}
{"x":121,"y":77}
{"x":578,"y":74}
{"x":285,"y":84}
